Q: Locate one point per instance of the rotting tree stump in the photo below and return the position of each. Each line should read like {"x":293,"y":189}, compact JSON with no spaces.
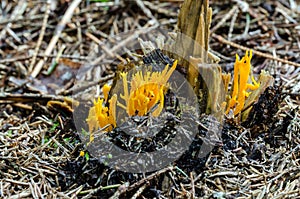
{"x":191,"y":49}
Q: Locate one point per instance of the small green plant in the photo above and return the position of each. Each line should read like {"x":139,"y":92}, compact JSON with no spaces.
{"x":54,"y":126}
{"x":45,"y":140}
{"x":55,"y":145}
{"x":87,"y":156}
{"x":9,"y":133}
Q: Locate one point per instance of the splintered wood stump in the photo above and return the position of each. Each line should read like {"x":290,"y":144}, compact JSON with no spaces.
{"x":191,"y":49}
{"x":193,"y":32}
{"x":194,"y":21}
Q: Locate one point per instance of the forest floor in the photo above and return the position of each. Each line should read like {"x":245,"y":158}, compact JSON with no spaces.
{"x":42,"y":55}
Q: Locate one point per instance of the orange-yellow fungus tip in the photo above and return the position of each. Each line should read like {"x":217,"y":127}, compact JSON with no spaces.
{"x":106,"y":88}
{"x":146,"y":90}
{"x":241,"y":74}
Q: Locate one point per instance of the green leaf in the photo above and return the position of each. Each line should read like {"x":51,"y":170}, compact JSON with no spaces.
{"x":87,"y":156}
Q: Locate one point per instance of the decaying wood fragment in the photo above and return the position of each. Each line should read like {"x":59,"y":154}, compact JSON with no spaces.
{"x":265,"y":80}
{"x":212,"y":92}
{"x":191,"y":48}
{"x":194,"y":22}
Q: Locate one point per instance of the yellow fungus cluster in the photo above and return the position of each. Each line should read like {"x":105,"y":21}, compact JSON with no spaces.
{"x":241,"y":74}
{"x":146,"y":91}
{"x":100,"y":115}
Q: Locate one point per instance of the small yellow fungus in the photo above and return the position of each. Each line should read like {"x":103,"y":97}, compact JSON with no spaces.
{"x":101,"y":116}
{"x":241,"y":73}
{"x":81,"y":154}
{"x":146,"y":90}
{"x":106,"y":88}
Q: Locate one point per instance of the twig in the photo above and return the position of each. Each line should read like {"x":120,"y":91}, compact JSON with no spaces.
{"x":235,"y":14}
{"x":289,"y":18}
{"x":65,"y":56}
{"x":60,"y":27}
{"x":54,"y":64}
{"x":21,"y":19}
{"x":18,"y":10}
{"x":192,"y":184}
{"x":160,"y":9}
{"x":23,"y":106}
{"x":40,"y":39}
{"x":90,"y":192}
{"x":10,"y":60}
{"x":17,"y":182}
{"x":145,"y":10}
{"x":225,"y":18}
{"x":148,"y":178}
{"x":28,"y":97}
{"x":123,"y":43}
{"x":88,"y":85}
{"x":246,"y":31}
{"x":268,"y":56}
{"x":102,"y":45}
{"x":21,"y":195}
{"x":139,"y":192}
{"x":13,"y":34}
{"x":181,"y":171}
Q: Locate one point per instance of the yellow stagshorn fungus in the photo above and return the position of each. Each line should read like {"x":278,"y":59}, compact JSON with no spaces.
{"x":106,"y":88}
{"x":146,"y":90}
{"x":241,"y":73}
{"x":100,"y":115}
